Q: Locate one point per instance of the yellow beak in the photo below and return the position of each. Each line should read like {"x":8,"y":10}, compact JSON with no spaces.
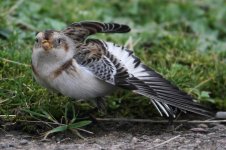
{"x":46,"y":45}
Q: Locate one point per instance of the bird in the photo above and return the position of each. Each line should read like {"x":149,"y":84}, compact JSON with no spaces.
{"x":69,"y":62}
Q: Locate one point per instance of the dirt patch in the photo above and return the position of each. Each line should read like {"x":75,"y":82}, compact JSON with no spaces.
{"x":126,"y":136}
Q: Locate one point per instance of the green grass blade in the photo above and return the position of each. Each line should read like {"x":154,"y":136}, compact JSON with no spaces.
{"x":66,"y":112}
{"x":74,"y":116}
{"x":49,"y":116}
{"x":2,"y":101}
{"x":35,"y":113}
{"x":79,"y":124}
{"x":57,"y":129}
{"x":74,"y":131}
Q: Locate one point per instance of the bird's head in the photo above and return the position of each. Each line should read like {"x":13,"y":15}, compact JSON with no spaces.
{"x":53,"y":45}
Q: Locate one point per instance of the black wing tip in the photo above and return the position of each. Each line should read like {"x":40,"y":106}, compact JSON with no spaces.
{"x":117,"y":28}
{"x":203,"y":110}
{"x":200,"y":110}
{"x":174,"y":97}
{"x":191,"y":107}
{"x":122,"y":28}
{"x":125,"y":28}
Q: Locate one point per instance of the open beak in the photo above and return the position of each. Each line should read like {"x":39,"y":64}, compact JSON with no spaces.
{"x":46,"y":45}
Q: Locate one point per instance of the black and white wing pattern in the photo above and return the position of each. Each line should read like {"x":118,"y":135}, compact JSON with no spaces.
{"x":79,"y":31}
{"x":167,"y":97}
{"x":95,"y":57}
{"x":120,"y":67}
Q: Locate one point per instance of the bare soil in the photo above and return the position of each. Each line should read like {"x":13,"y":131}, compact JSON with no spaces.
{"x":125,"y":136}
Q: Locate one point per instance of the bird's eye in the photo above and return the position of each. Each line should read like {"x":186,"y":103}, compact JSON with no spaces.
{"x":36,"y":40}
{"x":59,"y":41}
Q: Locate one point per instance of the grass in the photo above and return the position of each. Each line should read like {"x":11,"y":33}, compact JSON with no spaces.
{"x":183,"y":40}
{"x":65,"y":124}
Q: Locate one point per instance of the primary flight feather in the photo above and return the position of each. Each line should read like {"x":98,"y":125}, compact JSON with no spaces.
{"x":69,"y":63}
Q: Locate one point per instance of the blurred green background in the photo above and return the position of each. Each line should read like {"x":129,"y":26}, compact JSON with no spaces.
{"x":184,"y":40}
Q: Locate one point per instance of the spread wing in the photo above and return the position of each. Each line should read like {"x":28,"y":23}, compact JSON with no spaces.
{"x":107,"y":67}
{"x":118,"y":66}
{"x":81,"y":30}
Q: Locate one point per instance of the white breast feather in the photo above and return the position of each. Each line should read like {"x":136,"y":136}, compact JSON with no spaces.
{"x":80,"y":84}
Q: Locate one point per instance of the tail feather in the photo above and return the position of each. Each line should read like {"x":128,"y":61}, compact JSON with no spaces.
{"x":163,"y":109}
{"x":194,"y":107}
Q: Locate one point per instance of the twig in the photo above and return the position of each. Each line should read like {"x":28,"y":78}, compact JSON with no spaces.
{"x":22,"y":23}
{"x":39,"y":121}
{"x":17,"y":4}
{"x":14,"y":62}
{"x":167,"y":141}
{"x":3,"y":79}
{"x":14,"y":7}
{"x":159,"y":121}
{"x":80,"y":129}
{"x":2,"y":101}
{"x":6,"y":116}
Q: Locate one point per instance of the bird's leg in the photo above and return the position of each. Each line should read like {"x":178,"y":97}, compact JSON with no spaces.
{"x":100,"y":103}
{"x":177,"y":113}
{"x":1,"y":121}
{"x":170,"y":126}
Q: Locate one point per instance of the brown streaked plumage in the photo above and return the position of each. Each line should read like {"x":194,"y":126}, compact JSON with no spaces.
{"x":72,"y":71}
{"x":89,"y":51}
{"x":48,"y":34}
{"x":66,"y":47}
{"x":81,"y":30}
{"x":62,"y":68}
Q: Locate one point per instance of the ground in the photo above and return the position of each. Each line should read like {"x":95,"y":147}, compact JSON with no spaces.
{"x":184,"y":41}
{"x":126,"y":136}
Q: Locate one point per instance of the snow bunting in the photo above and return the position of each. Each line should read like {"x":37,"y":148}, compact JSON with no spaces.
{"x":69,"y":63}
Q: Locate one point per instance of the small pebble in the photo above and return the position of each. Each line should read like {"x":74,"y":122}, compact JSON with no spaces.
{"x":2,"y":146}
{"x":134,"y":140}
{"x":8,"y":135}
{"x":157,"y":141}
{"x":219,"y":127}
{"x":145,"y":137}
{"x":198,"y":141}
{"x":223,"y":135}
{"x":45,"y":140}
{"x":23,"y":142}
{"x":203,"y":126}
{"x":186,"y":141}
{"x":26,"y":137}
{"x":201,"y":130}
{"x":221,"y":115}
